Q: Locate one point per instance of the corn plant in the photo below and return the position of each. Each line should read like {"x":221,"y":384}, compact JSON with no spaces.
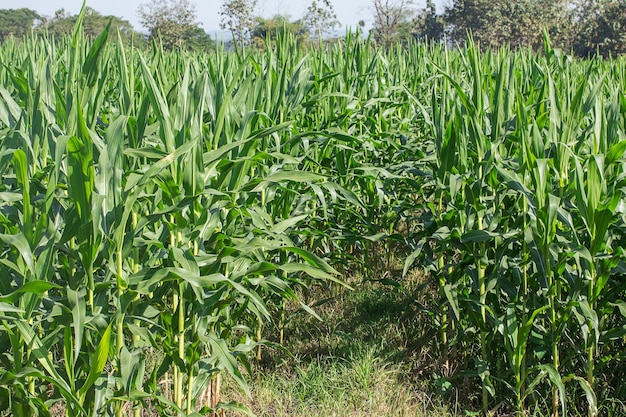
{"x":160,"y":210}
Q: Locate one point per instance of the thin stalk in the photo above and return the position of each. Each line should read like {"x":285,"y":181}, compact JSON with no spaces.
{"x":177,"y":305}
{"x":390,"y":257}
{"x":120,"y":292}
{"x":30,"y":379}
{"x":483,"y":333}
{"x":443,"y":313}
{"x":175,"y":370}
{"x":281,"y":323}
{"x":181,"y":343}
{"x":259,"y":336}
{"x":591,"y":349}
{"x":72,"y":261}
{"x":119,"y":344}
{"x":480,"y":270}
{"x":189,"y":388}
{"x":136,"y":338}
{"x":553,"y":328}
{"x":281,"y":320}
{"x":520,"y":375}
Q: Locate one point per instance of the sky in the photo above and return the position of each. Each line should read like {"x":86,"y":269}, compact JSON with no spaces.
{"x":348,"y":12}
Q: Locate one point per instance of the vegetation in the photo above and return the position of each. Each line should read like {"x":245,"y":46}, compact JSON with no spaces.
{"x":585,"y":28}
{"x":392,"y":21}
{"x":267,"y":31}
{"x":172,"y":23}
{"x":17,"y":23}
{"x":321,"y":18}
{"x":495,"y":23}
{"x":63,"y":23}
{"x":168,"y":219}
{"x":238,"y":18}
{"x":601,"y":29}
{"x":364,"y":357}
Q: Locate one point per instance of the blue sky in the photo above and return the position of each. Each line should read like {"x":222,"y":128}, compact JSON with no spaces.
{"x":348,"y":12}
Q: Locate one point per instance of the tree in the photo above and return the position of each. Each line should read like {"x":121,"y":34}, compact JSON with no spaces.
{"x":428,"y":25}
{"x":62,"y":23}
{"x":321,"y":18}
{"x":601,"y":28}
{"x":199,"y":40}
{"x":277,"y":26}
{"x":392,"y":20}
{"x":494,"y":23}
{"x":17,"y":22}
{"x":238,"y":18}
{"x":172,"y":21}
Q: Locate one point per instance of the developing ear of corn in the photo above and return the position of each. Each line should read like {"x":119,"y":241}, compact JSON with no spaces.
{"x":172,"y":202}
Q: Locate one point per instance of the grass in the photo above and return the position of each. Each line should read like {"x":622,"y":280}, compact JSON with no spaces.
{"x":362,"y":384}
{"x":367,"y":356}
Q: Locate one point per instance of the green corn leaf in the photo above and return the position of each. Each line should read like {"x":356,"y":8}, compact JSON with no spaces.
{"x":412,"y":257}
{"x":616,"y":152}
{"x":557,"y":381}
{"x":21,"y":170}
{"x":19,"y":242}
{"x":220,"y":352}
{"x":81,"y":176}
{"x":31,"y":287}
{"x":91,"y":69}
{"x":41,"y":355}
{"x":99,"y":361}
{"x":10,"y":111}
{"x":588,"y":390}
{"x":8,"y":308}
{"x":79,"y":315}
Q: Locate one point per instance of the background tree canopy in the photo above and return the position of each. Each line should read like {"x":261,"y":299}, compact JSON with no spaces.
{"x":93,"y":24}
{"x":173,"y":22}
{"x":17,"y":22}
{"x":582,"y":27}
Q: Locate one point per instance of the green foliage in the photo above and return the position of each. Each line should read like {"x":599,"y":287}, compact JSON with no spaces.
{"x":320,"y":18}
{"x":266,"y":31}
{"x":172,"y":204}
{"x":94,"y":23}
{"x":522,"y":226}
{"x":150,"y":213}
{"x":392,"y":21}
{"x":172,"y":23}
{"x":17,"y":23}
{"x":428,"y":25}
{"x":518,"y":23}
{"x":601,"y":28}
{"x":238,"y":17}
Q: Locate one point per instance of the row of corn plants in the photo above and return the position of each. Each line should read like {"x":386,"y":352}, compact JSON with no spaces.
{"x":160,"y":210}
{"x":150,"y":205}
{"x":521,"y":225}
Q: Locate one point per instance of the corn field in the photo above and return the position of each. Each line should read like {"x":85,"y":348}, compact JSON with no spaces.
{"x":169,"y":205}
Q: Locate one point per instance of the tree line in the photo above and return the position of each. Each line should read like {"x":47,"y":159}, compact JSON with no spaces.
{"x":584,"y":27}
{"x":173,"y":24}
